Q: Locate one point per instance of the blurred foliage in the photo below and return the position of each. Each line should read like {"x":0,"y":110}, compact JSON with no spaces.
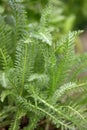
{"x":67,"y":15}
{"x":78,"y":9}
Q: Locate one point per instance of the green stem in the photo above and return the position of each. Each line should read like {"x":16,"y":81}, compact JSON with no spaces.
{"x":24,"y":70}
{"x":4,"y":58}
{"x":22,"y":85}
{"x":15,"y":124}
{"x":47,"y":125}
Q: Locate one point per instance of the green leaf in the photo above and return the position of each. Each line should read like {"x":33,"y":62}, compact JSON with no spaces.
{"x":4,"y":94}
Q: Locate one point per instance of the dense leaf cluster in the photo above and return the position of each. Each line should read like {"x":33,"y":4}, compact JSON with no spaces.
{"x":38,"y":74}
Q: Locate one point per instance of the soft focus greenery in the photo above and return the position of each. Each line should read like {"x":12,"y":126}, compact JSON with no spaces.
{"x":72,"y":13}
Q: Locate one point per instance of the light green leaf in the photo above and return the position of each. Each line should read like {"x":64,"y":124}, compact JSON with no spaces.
{"x":4,"y":94}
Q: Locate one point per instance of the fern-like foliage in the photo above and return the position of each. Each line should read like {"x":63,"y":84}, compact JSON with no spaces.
{"x":19,"y":18}
{"x":42,"y":75}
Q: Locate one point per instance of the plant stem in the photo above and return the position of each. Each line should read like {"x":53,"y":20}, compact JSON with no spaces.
{"x":47,"y":125}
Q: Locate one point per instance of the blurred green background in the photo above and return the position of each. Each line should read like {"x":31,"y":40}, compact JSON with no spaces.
{"x":67,"y":15}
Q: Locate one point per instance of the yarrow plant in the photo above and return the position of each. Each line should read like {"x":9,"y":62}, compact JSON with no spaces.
{"x":38,"y":76}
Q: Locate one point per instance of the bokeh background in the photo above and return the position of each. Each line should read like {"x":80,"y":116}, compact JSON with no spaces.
{"x":73,"y":13}
{"x":67,"y":15}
